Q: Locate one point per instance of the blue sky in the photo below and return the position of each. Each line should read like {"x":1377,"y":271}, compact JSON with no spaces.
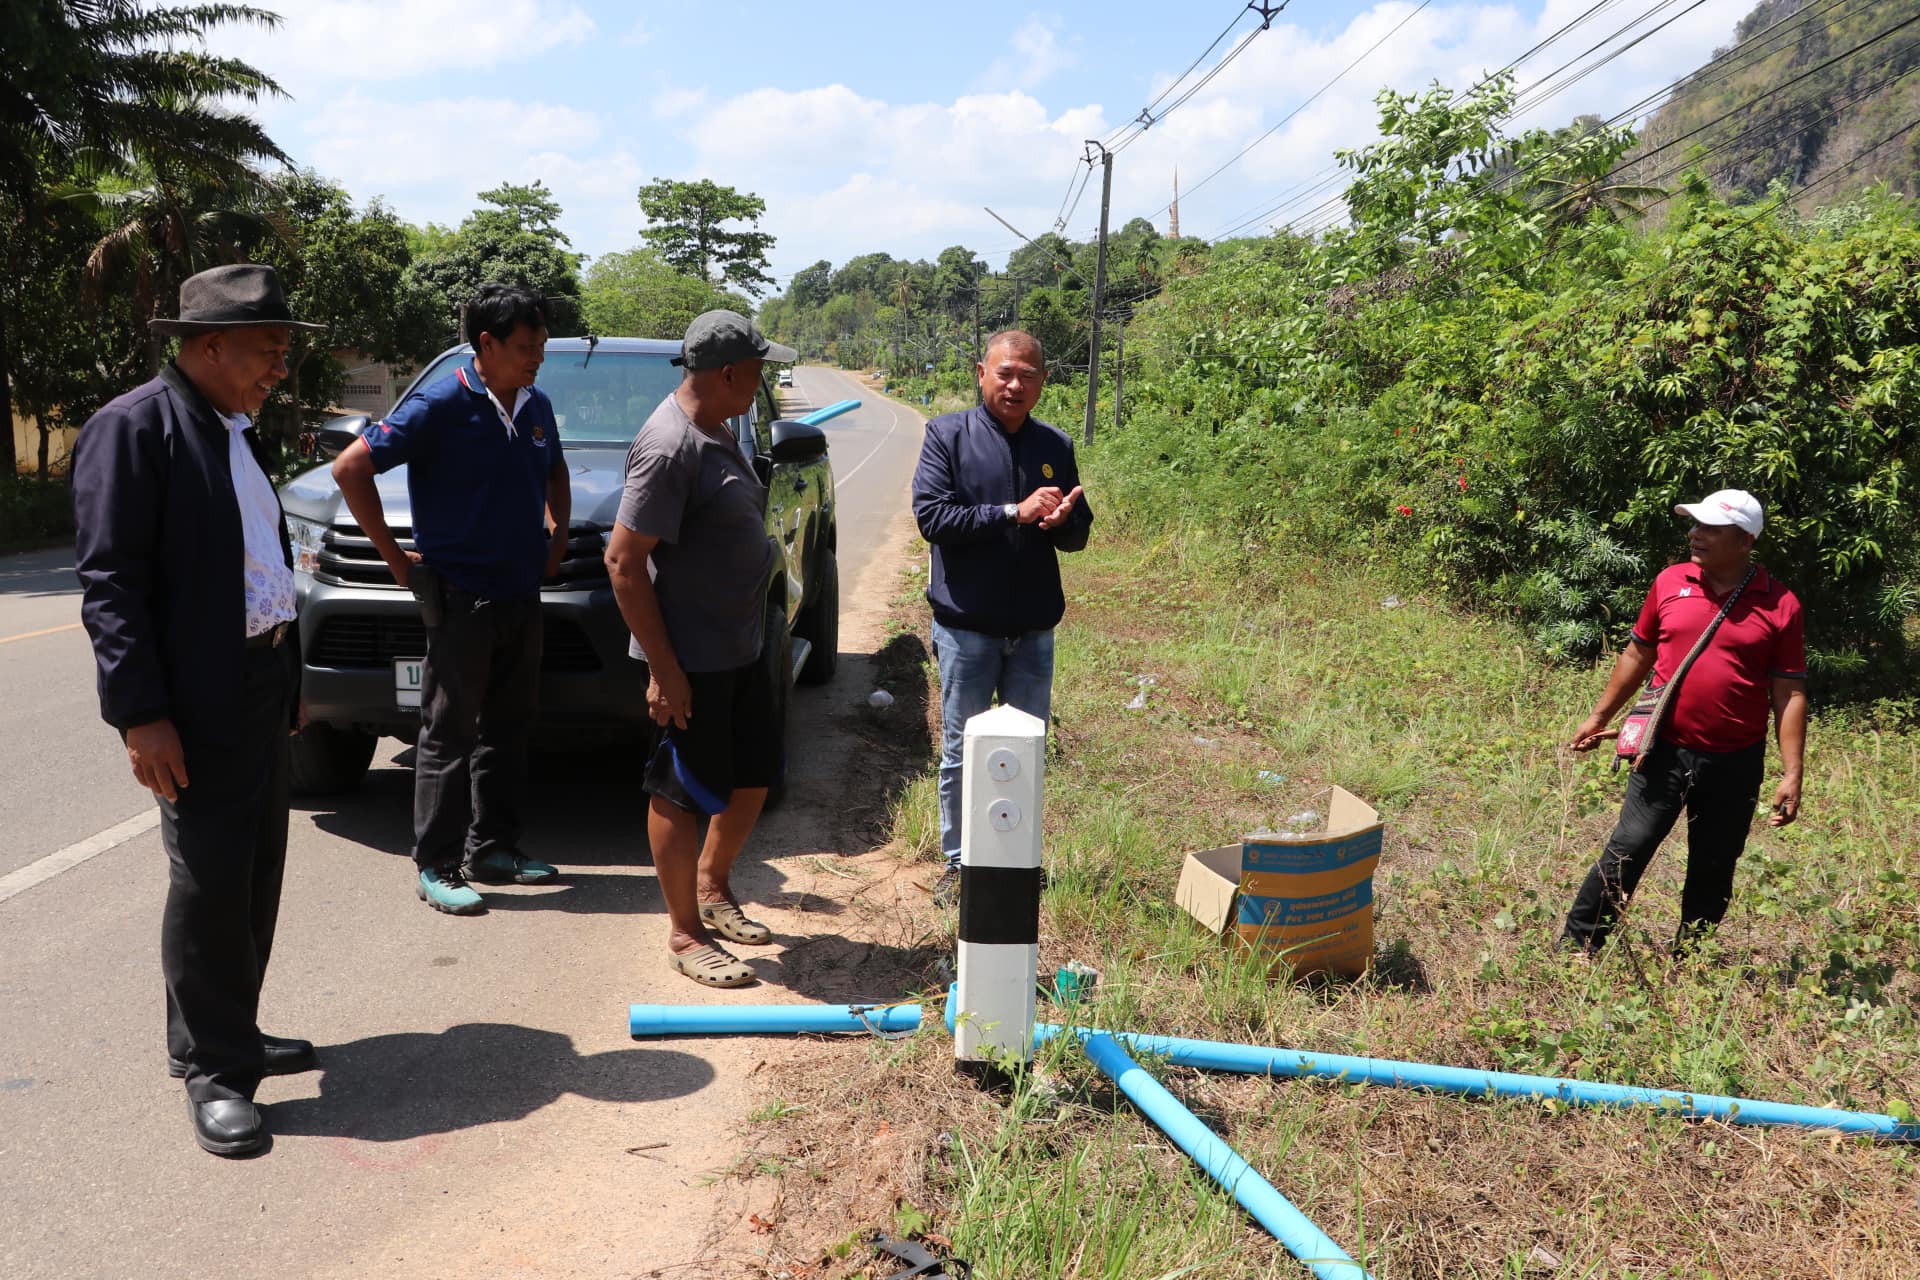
{"x":871,"y":127}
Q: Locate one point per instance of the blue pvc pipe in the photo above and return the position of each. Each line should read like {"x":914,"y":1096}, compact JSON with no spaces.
{"x":766,"y":1019}
{"x":1223,"y":1164}
{"x":819,"y":416}
{"x":1213,"y":1055}
{"x":1216,"y":1055}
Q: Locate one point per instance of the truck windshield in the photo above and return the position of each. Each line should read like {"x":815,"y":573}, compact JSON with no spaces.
{"x":603,"y":401}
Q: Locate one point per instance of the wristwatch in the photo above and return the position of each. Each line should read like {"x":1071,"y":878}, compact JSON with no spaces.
{"x":1012,"y":510}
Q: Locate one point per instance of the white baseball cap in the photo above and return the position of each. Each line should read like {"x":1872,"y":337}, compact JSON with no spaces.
{"x":1728,"y":506}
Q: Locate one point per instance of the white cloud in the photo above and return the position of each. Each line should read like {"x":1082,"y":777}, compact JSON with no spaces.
{"x":420,"y":155}
{"x":846,"y":173}
{"x":324,"y":41}
{"x":1036,"y":57}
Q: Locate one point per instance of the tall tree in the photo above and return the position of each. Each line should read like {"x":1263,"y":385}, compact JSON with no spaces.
{"x":345,"y":269}
{"x":510,"y":241}
{"x":105,"y":80}
{"x":635,"y":294}
{"x":532,"y":209}
{"x":685,"y":225}
{"x":811,"y":286}
{"x":956,"y":280}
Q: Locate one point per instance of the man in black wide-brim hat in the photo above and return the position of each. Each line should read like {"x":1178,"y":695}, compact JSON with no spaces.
{"x":189,"y":599}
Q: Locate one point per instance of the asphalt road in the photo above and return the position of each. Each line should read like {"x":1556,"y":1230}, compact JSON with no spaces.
{"x":480,"y":1109}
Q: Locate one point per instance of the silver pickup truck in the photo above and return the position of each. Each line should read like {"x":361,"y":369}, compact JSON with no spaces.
{"x":362,"y":641}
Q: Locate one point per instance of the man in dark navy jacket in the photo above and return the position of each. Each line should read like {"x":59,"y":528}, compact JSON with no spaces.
{"x":996,"y":494}
{"x":188,"y":597}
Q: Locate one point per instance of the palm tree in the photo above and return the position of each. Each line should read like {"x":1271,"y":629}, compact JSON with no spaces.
{"x":167,"y":225}
{"x":1568,"y":201}
{"x":101,"y":76}
{"x":87,"y":85}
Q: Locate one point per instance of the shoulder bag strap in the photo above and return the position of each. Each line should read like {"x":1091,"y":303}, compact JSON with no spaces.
{"x":1673,"y":686}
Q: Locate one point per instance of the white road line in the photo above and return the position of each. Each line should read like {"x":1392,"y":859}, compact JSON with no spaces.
{"x":17,"y":882}
{"x":892,"y":425}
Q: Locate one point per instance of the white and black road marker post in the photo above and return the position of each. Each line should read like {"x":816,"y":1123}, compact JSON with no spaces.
{"x":1003,"y":766}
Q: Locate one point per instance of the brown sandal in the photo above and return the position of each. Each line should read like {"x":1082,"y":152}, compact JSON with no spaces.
{"x":731,"y":923}
{"x":711,"y":966}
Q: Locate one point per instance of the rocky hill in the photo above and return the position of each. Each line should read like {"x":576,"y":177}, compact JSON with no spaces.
{"x":1764,"y":109}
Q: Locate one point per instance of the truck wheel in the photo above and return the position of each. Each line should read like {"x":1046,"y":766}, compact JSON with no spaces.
{"x":778,"y":655}
{"x":819,"y":623}
{"x":327,"y":759}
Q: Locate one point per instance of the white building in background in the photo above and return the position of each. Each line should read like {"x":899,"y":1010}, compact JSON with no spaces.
{"x":371,"y":387}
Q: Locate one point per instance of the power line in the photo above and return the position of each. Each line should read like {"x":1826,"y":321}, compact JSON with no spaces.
{"x":1061,"y":223}
{"x":1732,"y":57}
{"x":1146,"y":112}
{"x":1316,"y":95}
{"x":1516,"y":107}
{"x":1766,"y":211}
{"x":1120,"y":139}
{"x":1542,"y":94}
{"x":1590,"y":12}
{"x":1060,"y":218}
{"x":1574,"y":243}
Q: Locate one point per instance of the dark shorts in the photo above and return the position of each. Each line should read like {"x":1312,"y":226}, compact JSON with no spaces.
{"x":730,"y":741}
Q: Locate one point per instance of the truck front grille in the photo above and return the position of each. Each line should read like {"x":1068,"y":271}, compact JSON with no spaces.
{"x":347,"y":555}
{"x":375,"y":642}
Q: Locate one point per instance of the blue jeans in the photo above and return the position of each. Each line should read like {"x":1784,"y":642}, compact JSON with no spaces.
{"x":974,"y":667}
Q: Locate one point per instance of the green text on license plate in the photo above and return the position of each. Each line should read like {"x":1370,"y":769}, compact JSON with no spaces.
{"x":407,"y":673}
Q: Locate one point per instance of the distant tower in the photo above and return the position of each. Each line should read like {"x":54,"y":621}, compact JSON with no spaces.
{"x":1173,"y":210}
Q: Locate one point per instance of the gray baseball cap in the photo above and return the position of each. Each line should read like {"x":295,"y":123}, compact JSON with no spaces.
{"x":717,"y":338}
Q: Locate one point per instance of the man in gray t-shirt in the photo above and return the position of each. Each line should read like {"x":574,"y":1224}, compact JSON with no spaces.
{"x":694,"y":506}
{"x":693,"y":491}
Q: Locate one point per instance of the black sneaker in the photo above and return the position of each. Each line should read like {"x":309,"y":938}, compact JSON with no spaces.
{"x":946,"y":890}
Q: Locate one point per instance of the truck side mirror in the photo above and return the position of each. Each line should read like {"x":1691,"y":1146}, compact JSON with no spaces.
{"x":332,"y":438}
{"x":797,"y":442}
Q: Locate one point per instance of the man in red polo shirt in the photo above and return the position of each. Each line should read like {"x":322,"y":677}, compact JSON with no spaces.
{"x":1711,"y":748}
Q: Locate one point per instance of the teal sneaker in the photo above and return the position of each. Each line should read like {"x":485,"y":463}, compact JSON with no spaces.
{"x":505,"y":866}
{"x":448,"y":891}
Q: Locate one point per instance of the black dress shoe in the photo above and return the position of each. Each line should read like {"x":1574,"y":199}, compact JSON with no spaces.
{"x":284,"y":1057}
{"x":228,"y":1126}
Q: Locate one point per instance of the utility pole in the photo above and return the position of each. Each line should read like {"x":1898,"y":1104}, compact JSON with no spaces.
{"x":978,"y":354}
{"x":1119,"y":367}
{"x":1099,"y":282}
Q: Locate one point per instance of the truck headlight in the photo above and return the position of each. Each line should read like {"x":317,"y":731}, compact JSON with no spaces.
{"x":306,"y":537}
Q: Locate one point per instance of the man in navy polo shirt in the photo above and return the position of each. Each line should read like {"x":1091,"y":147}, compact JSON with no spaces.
{"x":490,"y":504}
{"x":996,"y":494}
{"x":1711,"y":748}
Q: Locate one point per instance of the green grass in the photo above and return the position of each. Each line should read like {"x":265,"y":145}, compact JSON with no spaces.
{"x":1282,"y":663}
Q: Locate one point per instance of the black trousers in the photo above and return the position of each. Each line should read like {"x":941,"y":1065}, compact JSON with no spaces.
{"x":1718,"y":790}
{"x":478,"y":692}
{"x":226,"y":843}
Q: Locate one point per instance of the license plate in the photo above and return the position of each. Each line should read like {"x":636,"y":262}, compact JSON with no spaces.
{"x":407,"y":675}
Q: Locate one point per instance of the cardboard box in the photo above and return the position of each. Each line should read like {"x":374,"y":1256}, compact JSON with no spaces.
{"x":1303,"y":898}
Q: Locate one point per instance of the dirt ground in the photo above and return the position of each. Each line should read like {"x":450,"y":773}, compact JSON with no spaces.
{"x":868,"y":932}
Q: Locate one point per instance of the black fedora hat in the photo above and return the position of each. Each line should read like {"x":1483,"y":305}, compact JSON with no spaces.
{"x":244,"y":296}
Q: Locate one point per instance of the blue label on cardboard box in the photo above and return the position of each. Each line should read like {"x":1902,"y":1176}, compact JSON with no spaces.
{"x":1305,"y":857}
{"x":1287,"y":913}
